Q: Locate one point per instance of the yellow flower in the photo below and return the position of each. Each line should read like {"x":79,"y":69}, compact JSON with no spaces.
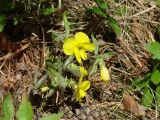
{"x":81,"y":89}
{"x":82,"y":86}
{"x":78,"y":45}
{"x":104,"y":73}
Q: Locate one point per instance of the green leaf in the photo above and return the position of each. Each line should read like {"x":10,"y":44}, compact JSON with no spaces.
{"x":48,"y":11}
{"x":102,"y":4}
{"x":154,"y":49}
{"x":74,"y":69}
{"x":93,"y":69}
{"x":57,"y":37}
{"x":8,"y":107}
{"x":2,"y":22}
{"x":25,"y":111}
{"x":17,"y":19}
{"x":56,"y":78}
{"x":53,"y":116}
{"x":66,"y":24}
{"x":158,"y":96}
{"x":96,"y":44}
{"x":68,"y":61}
{"x":97,"y":10}
{"x":147,"y":97}
{"x":139,"y":84}
{"x":112,"y":23}
{"x":155,"y":78}
{"x":104,"y":56}
{"x":41,"y":81}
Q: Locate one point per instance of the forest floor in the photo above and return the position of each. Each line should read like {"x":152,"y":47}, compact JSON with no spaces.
{"x":117,"y":100}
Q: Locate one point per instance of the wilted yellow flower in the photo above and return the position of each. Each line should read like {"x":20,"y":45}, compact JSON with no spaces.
{"x":81,"y":89}
{"x":44,"y":89}
{"x":78,"y":45}
{"x":104,"y":73}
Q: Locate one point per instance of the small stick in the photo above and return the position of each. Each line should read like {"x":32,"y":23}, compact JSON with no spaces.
{"x":10,"y":54}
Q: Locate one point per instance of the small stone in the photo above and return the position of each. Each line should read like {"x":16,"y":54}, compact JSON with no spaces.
{"x":96,"y":115}
{"x":103,"y":118}
{"x":78,"y":111}
{"x":87,"y":111}
{"x":75,"y":118}
{"x":19,"y":77}
{"x":69,"y":114}
{"x":83,"y":117}
{"x":90,"y":118}
{"x":102,"y":113}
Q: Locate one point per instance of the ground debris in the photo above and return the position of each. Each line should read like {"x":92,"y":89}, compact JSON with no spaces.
{"x":132,"y":106}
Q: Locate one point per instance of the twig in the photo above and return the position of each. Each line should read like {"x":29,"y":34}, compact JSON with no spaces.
{"x":10,"y":54}
{"x":140,"y":13}
{"x":147,"y":10}
{"x":43,"y":38}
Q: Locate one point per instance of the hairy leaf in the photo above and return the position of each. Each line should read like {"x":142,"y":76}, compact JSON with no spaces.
{"x":102,"y":4}
{"x":25,"y":111}
{"x":74,"y":69}
{"x":66,"y":24}
{"x":98,"y":11}
{"x":8,"y":107}
{"x":112,"y":23}
{"x":56,"y":78}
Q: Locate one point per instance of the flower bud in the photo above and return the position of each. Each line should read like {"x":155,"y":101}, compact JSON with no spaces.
{"x":104,"y":73}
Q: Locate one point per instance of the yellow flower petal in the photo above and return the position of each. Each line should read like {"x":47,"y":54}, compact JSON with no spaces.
{"x":83,"y":71}
{"x":69,"y":45}
{"x":81,"y":37}
{"x":88,"y":46}
{"x":82,"y":93}
{"x":78,"y":95}
{"x":83,"y":54}
{"x":77,"y":55}
{"x":85,"y":85}
{"x":104,"y":73}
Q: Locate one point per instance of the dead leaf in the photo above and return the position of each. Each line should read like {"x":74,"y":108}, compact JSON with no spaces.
{"x":132,"y":106}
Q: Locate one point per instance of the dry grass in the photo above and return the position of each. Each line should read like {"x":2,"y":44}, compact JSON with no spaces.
{"x":130,"y":59}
